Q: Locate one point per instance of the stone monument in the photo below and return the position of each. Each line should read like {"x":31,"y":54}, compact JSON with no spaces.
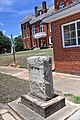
{"x":1,"y":117}
{"x":41,"y":98}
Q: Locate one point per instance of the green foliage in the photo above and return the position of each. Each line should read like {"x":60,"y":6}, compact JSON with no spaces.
{"x":75,"y":99}
{"x":5,"y":43}
{"x":68,"y":94}
{"x":18,"y":42}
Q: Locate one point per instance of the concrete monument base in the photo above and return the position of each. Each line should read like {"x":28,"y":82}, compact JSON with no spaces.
{"x":43,"y":108}
{"x":41,"y":98}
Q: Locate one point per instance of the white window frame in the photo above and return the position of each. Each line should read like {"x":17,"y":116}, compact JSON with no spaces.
{"x":24,"y":44}
{"x":50,"y":27}
{"x":33,"y":30}
{"x":50,"y":40}
{"x":26,"y":34}
{"x":41,"y":27}
{"x":63,"y":40}
{"x":61,"y":5}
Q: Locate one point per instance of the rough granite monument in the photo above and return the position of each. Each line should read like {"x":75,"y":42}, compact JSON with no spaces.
{"x":1,"y":117}
{"x":41,"y":98}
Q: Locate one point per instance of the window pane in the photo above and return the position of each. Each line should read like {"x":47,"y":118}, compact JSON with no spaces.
{"x":41,"y":27}
{"x":67,"y":35}
{"x":26,"y":25}
{"x":67,"y":42}
{"x":73,"y":34}
{"x":73,"y":41}
{"x":61,"y":5}
{"x":78,"y":41}
{"x":78,"y":25}
{"x":72,"y":27}
{"x":66,"y":28}
{"x":78,"y":33}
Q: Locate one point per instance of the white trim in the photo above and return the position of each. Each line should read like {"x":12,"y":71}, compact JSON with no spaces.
{"x":41,"y":27}
{"x":40,"y":35}
{"x":50,"y":40}
{"x":33,"y":29}
{"x":50,"y":27}
{"x":62,"y":27}
{"x":62,"y":36}
{"x":61,"y":6}
{"x":71,"y":22}
{"x":67,"y":11}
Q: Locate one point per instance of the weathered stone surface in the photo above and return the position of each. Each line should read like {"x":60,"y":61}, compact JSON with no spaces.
{"x":1,"y":117}
{"x":43,"y":108}
{"x":40,"y":75}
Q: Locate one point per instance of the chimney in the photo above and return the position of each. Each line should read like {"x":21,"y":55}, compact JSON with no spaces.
{"x":36,"y":10}
{"x":55,"y":4}
{"x":44,"y":7}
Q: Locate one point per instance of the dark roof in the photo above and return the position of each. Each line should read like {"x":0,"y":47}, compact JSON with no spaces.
{"x":26,"y":19}
{"x":49,"y":11}
{"x":32,"y":19}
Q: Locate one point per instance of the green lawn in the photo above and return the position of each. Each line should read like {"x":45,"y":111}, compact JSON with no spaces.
{"x":21,"y":57}
{"x":12,"y":88}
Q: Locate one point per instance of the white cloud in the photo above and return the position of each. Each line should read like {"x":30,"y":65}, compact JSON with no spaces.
{"x":1,"y":24}
{"x":7,"y":2}
{"x":25,"y":11}
{"x":4,"y":31}
{"x":7,"y":5}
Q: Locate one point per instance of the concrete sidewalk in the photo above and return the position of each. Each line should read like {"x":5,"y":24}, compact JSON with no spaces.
{"x":17,"y":72}
{"x":62,"y":82}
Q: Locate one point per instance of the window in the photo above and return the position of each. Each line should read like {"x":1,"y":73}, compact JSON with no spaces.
{"x":50,"y":40}
{"x":26,"y":34}
{"x":26,"y":25}
{"x":24,"y":44}
{"x":22,"y":27}
{"x":33,"y":30}
{"x":61,"y":5}
{"x":71,"y":34}
{"x":41,"y":27}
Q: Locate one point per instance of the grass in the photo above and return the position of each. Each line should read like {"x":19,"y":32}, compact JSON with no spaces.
{"x":73,"y":98}
{"x":11,"y":88}
{"x":21,"y":57}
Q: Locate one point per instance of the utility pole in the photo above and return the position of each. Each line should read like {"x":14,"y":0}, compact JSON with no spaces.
{"x":13,"y":49}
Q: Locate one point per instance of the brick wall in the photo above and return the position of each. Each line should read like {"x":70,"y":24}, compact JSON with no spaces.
{"x":66,"y":59}
{"x":57,"y":2}
{"x":30,"y":41}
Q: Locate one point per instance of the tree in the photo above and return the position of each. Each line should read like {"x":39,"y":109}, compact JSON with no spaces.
{"x":18,"y":42}
{"x":5,"y":43}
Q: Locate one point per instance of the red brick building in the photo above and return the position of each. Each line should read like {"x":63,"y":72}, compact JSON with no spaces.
{"x":66,"y":35}
{"x":36,"y":33}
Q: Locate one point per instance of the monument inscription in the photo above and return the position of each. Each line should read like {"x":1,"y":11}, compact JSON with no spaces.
{"x":40,"y":75}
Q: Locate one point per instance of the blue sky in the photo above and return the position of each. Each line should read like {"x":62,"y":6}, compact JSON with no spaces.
{"x":13,"y":11}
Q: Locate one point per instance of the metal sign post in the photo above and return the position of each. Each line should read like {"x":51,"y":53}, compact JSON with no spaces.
{"x":13,"y":48}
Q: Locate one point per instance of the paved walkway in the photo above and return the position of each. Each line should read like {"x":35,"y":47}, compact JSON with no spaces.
{"x":62,"y":82}
{"x":17,"y":72}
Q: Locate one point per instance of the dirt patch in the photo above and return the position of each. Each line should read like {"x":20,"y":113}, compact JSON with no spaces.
{"x":12,"y":87}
